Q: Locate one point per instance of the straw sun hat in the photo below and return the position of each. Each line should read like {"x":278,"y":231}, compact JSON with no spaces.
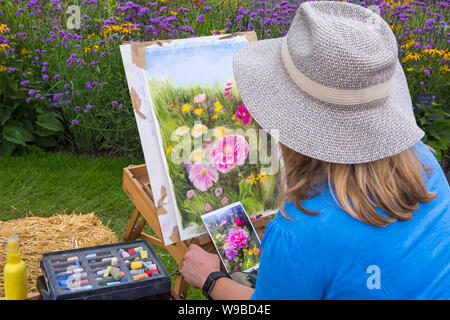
{"x":333,"y":87}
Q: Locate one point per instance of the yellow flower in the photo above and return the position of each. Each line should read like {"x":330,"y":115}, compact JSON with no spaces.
{"x":181,"y":131}
{"x":3,"y":28}
{"x":218,"y":107}
{"x":198,"y":130}
{"x":219,"y":132}
{"x":412,"y":56}
{"x":186,"y":108}
{"x":3,"y":47}
{"x":86,"y":49}
{"x":430,"y":51}
{"x":262,"y":177}
{"x":444,"y":68}
{"x":215,"y":116}
{"x":196,"y":155}
{"x":91,"y":35}
{"x":198,"y":111}
{"x":251,"y":178}
{"x":233,"y":117}
{"x":169,"y":149}
{"x":174,"y":13}
{"x":237,"y":123}
{"x":2,"y":68}
{"x":410,"y":69}
{"x":25,"y":51}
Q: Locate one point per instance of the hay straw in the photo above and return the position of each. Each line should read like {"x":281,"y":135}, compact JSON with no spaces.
{"x":40,"y":235}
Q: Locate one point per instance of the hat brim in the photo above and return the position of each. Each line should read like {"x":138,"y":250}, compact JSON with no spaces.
{"x":332,"y":133}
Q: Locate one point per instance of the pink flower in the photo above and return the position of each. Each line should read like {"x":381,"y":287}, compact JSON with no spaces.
{"x":230,"y":251}
{"x":208,"y":207}
{"x":228,"y":152}
{"x":218,"y":191}
{"x":190,"y":193}
{"x":200,"y":98}
{"x":203,"y":176}
{"x":243,"y":114}
{"x":240,"y":222}
{"x":238,"y":238}
{"x":224,"y":200}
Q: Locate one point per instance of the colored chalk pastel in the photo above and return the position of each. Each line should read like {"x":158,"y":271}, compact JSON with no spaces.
{"x":91,"y":256}
{"x":115,"y":273}
{"x":107,"y":271}
{"x":137,"y":271}
{"x":101,"y":272}
{"x":114,"y":261}
{"x":107,"y":259}
{"x":144,"y":254}
{"x":136,"y":265}
{"x":82,"y":288}
{"x":137,"y":249}
{"x":93,"y":261}
{"x":70,"y":259}
{"x":112,"y":283}
{"x":127,"y":261}
{"x":131,"y":251}
{"x":139,"y":277}
{"x":77,"y":262}
{"x":149,"y":272}
{"x":124,"y":279}
{"x":123,"y":253}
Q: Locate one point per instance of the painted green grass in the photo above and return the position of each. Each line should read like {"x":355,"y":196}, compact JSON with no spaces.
{"x":48,"y":184}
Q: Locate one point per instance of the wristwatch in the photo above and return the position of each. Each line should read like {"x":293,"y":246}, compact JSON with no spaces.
{"x":210,"y":281}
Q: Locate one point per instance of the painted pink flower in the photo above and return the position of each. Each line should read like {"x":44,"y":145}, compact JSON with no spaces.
{"x":224,"y":200}
{"x":208,"y":207}
{"x":240,"y":222}
{"x":190,"y":193}
{"x":200,"y":98}
{"x":203,"y":176}
{"x":228,"y":152}
{"x":238,"y":238}
{"x":243,"y":114}
{"x":218,"y":191}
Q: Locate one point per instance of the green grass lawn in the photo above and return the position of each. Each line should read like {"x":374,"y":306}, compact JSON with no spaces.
{"x":48,"y":184}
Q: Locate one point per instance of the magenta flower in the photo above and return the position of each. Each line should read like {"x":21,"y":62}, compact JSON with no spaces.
{"x":230,"y":251}
{"x":238,"y":238}
{"x":190,"y":193}
{"x":243,"y":114}
{"x":240,"y":222}
{"x":224,"y":200}
{"x":203,"y":176}
{"x":208,"y":207}
{"x":228,"y":152}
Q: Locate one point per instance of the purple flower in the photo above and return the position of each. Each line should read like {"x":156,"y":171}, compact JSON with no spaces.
{"x":28,"y":100}
{"x":190,"y":193}
{"x":31,"y":92}
{"x":77,"y":108}
{"x":24,"y":83}
{"x":88,"y":106}
{"x":45,"y":77}
{"x":201,"y":18}
{"x":57,"y":76}
{"x":11,"y":70}
{"x":75,"y":122}
{"x":427,"y":72}
{"x":67,"y":85}
{"x":114,"y":103}
{"x":421,"y":83}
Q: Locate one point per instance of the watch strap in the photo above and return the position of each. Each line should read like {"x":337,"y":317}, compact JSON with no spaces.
{"x":210,"y":281}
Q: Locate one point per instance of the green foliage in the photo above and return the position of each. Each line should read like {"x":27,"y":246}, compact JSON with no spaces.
{"x":436,"y":124}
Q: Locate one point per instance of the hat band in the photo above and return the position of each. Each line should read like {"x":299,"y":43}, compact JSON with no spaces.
{"x":329,"y":94}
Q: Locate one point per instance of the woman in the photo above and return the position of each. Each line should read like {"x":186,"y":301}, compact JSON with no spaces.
{"x":365,"y":211}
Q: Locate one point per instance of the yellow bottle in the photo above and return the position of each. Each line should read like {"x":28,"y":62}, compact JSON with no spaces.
{"x":15,"y":272}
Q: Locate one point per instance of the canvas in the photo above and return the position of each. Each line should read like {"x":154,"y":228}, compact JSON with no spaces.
{"x":207,"y":149}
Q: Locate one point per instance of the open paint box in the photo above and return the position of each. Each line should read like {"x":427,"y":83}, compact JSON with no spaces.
{"x":128,"y":270}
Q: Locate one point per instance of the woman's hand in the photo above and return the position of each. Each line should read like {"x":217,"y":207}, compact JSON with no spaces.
{"x":198,"y":264}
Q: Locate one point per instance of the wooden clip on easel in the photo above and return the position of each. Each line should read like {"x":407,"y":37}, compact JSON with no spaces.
{"x":136,"y":185}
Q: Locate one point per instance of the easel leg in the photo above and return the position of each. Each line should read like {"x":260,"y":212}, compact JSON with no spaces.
{"x":133,"y":232}
{"x":181,"y":287}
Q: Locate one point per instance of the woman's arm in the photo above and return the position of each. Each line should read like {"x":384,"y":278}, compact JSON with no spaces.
{"x":197,"y":266}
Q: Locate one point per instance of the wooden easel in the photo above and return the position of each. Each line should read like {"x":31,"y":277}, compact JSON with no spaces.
{"x":136,"y":185}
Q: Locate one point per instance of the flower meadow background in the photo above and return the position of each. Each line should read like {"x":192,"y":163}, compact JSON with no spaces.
{"x":234,"y":237}
{"x":66,"y":89}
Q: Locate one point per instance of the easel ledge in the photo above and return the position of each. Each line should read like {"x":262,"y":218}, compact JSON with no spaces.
{"x":136,"y":185}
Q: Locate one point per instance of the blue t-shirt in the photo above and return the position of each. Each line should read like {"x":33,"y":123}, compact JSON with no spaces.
{"x":335,"y":256}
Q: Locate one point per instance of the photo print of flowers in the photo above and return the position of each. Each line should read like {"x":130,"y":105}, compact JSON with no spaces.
{"x":235,"y":238}
{"x":214,"y":150}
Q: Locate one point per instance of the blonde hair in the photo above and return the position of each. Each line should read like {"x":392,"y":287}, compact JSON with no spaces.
{"x":393,"y":184}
